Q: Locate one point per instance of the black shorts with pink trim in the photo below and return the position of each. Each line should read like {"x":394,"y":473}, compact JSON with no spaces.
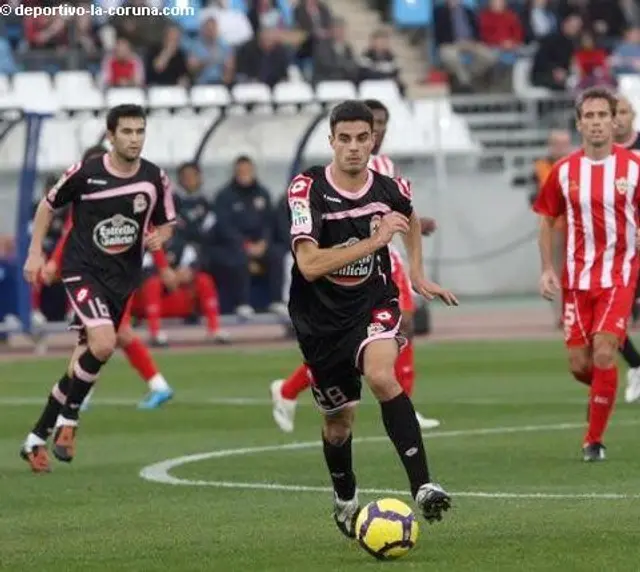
{"x":336,"y":362}
{"x":93,"y":305}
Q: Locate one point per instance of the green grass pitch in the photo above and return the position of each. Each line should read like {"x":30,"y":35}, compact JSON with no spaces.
{"x":512,"y":429}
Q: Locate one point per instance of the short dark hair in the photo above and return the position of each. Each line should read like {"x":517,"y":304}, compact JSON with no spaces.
{"x":242,"y":159}
{"x":187,"y":165}
{"x":597,"y":93}
{"x":95,"y":151}
{"x":125,"y":110}
{"x":377,"y":105}
{"x":350,"y":110}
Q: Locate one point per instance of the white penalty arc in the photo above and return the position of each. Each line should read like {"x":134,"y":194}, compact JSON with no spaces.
{"x":161,"y":472}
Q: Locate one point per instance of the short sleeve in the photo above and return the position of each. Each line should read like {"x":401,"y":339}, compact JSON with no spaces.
{"x":401,"y":199}
{"x":305,"y":214}
{"x":67,"y":189}
{"x":164,"y":210}
{"x":550,"y":201}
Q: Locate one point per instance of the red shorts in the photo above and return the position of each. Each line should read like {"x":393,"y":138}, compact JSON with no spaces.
{"x":601,"y":310}
{"x":177,"y":304}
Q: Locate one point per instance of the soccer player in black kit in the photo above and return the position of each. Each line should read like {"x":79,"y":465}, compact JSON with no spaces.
{"x":628,"y":137}
{"x":115,"y":199}
{"x":344,"y":304}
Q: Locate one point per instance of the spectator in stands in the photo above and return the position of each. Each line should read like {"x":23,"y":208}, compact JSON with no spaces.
{"x":265,"y":14}
{"x":245,"y":222}
{"x":314,"y":18}
{"x":500,"y":27}
{"x":263,"y":59}
{"x":553,"y":58}
{"x":539,"y":20}
{"x":7,"y":62}
{"x":591,"y":65}
{"x":143,"y":31}
{"x":631,"y":12}
{"x":333,"y":57}
{"x":123,"y":67}
{"x":167,"y":64}
{"x":85,"y":34}
{"x":626,"y":57}
{"x":211,"y":60}
{"x":456,"y":36}
{"x":378,"y":60}
{"x":604,"y":18}
{"x":46,"y":31}
{"x":234,"y":27}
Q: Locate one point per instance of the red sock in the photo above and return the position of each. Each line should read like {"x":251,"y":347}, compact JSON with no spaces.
{"x":585,"y":377}
{"x":36,"y":295}
{"x":602,"y":398}
{"x":152,"y":297}
{"x":405,"y":371}
{"x":140,"y":359}
{"x":207,"y":299}
{"x":296,"y":383}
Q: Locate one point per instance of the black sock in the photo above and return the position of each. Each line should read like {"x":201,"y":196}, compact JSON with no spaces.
{"x":340,"y":464}
{"x":630,"y":353}
{"x":85,"y":373}
{"x":44,"y":426}
{"x":399,"y":419}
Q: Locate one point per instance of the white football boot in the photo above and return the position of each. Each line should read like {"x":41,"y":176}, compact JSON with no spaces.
{"x":284,"y":410}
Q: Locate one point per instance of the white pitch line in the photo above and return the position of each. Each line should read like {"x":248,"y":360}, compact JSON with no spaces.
{"x":160,"y":472}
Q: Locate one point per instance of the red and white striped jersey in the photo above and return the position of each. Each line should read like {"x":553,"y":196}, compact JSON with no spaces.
{"x":599,"y":200}
{"x":383,"y":165}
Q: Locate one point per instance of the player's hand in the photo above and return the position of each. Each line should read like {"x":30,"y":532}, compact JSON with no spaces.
{"x":169,"y":278}
{"x":430,"y":290}
{"x":49,"y":272}
{"x":153,"y":240}
{"x":549,"y":284}
{"x":428,"y":226}
{"x":391,"y":224}
{"x":33,"y":267}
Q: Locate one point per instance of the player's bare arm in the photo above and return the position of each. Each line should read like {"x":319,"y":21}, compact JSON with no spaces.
{"x":35,"y":258}
{"x":315,"y":262}
{"x":549,"y":283}
{"x":158,"y":236}
{"x":413,"y":245}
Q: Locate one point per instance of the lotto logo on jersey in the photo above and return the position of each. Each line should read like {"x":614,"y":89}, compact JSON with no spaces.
{"x":300,"y":217}
{"x":116,"y":235}
{"x":383,"y":316}
{"x":82,"y":295}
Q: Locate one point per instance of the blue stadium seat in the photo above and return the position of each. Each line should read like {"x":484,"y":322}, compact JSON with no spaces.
{"x":190,"y":23}
{"x":412,"y":13}
{"x":287,"y":11}
{"x":238,"y":5}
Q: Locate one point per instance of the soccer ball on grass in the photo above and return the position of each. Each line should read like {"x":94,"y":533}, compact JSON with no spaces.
{"x":387,"y":529}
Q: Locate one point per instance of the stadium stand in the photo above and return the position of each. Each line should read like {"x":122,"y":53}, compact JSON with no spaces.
{"x":440,"y":140}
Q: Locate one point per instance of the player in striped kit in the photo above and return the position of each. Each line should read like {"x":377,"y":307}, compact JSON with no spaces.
{"x":597,"y":190}
{"x":629,"y":138}
{"x":284,"y":393}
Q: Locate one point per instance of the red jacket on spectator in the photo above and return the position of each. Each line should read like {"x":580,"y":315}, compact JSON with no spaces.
{"x":34,"y":26}
{"x":589,"y":61}
{"x":496,"y":28}
{"x":117,"y":72}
